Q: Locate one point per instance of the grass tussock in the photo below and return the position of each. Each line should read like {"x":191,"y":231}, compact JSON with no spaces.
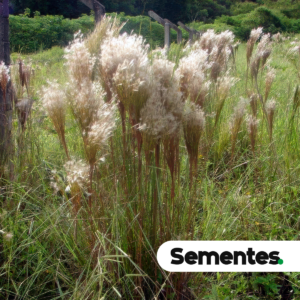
{"x":120,"y":149}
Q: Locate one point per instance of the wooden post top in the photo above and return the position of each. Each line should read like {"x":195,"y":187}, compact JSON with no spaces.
{"x":172,"y":25}
{"x":88,"y":3}
{"x":189,"y":30}
{"x":156,"y":17}
{"x":98,"y":8}
{"x":4,"y":10}
{"x":162,"y":21}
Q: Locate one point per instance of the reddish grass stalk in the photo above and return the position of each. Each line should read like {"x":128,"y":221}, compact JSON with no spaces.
{"x":76,"y":205}
{"x":155,"y":197}
{"x":91,"y":186}
{"x":170,"y":152}
{"x":123,"y":117}
{"x":141,"y":206}
{"x":265,"y":116}
{"x":63,"y":141}
{"x":170,"y":155}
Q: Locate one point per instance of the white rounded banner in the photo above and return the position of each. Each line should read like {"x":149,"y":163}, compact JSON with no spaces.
{"x":230,"y":256}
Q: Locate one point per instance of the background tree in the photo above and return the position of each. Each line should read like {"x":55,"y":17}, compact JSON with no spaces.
{"x":174,"y":10}
{"x":67,"y":8}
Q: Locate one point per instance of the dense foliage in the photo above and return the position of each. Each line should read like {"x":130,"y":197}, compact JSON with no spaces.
{"x":32,"y":30}
{"x":28,"y":35}
{"x":175,"y":10}
{"x":32,"y":34}
{"x":66,"y":8}
{"x":272,"y":20}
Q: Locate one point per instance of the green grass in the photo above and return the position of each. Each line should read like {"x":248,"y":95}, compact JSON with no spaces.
{"x":259,"y":200}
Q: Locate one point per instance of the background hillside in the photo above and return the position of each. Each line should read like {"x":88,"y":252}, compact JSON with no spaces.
{"x":38,"y":25}
{"x":176,"y":10}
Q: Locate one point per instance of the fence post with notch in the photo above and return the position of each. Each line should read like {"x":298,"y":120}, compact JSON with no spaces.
{"x":166,"y":25}
{"x":98,"y":8}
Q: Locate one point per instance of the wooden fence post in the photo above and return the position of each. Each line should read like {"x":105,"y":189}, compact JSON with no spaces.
{"x":167,"y":35}
{"x":190,"y":31}
{"x":187,"y":29}
{"x":179,"y":36}
{"x":4,"y":28}
{"x":5,"y":90}
{"x":98,"y":8}
{"x":167,"y":28}
{"x":163,"y":22}
{"x":179,"y":32}
{"x":197,"y":34}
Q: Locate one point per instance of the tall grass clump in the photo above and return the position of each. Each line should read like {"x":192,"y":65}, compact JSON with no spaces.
{"x":130,"y":147}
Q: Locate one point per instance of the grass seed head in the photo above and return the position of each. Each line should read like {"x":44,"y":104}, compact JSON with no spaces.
{"x":8,"y":236}
{"x":161,"y":116}
{"x":193,"y":126}
{"x":269,"y":80}
{"x":252,"y":124}
{"x":254,"y":36}
{"x":261,"y":55}
{"x":207,"y":41}
{"x":223,"y":49}
{"x":80,"y":62}
{"x":237,"y":117}
{"x":77,"y":175}
{"x":25,"y":72}
{"x":123,"y":50}
{"x":224,"y":84}
{"x":100,"y":131}
{"x":277,"y":38}
{"x":85,"y":100}
{"x":54,"y":102}
{"x":4,"y":77}
{"x":24,"y":107}
{"x":131,"y":83}
{"x":253,"y":103}
{"x":236,"y":122}
{"x":219,"y":49}
{"x":108,"y":27}
{"x":192,"y":78}
{"x":270,"y":109}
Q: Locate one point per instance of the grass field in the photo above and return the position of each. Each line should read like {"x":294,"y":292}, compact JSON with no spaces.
{"x":95,"y":235}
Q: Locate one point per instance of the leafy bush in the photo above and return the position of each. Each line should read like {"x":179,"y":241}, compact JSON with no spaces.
{"x":31,"y":34}
{"x":28,"y":35}
{"x":217,"y":26}
{"x":152,"y":31}
{"x":266,"y":18}
{"x":272,"y":21}
{"x":263,"y":17}
{"x":292,"y":12}
{"x":206,"y":10}
{"x":242,"y":8}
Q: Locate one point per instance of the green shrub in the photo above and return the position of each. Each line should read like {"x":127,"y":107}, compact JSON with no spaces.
{"x":292,"y":12}
{"x":28,"y":35}
{"x":152,"y":31}
{"x":243,"y":8}
{"x":271,"y":20}
{"x":217,"y":26}
{"x":31,"y":34}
